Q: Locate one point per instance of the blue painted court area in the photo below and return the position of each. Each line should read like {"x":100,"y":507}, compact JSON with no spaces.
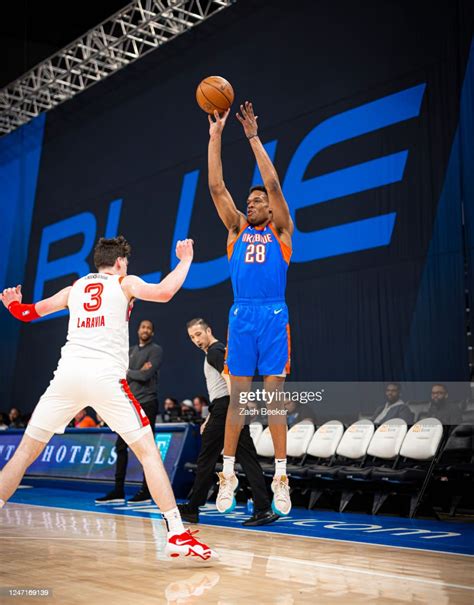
{"x":432,"y":535}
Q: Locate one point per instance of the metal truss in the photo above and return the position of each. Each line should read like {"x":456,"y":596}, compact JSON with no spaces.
{"x":134,"y":31}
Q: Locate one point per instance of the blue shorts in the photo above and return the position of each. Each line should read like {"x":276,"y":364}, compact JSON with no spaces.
{"x":258,"y":338}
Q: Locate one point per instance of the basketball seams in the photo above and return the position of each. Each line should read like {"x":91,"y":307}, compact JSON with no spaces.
{"x":219,"y":90}
{"x":209,"y":100}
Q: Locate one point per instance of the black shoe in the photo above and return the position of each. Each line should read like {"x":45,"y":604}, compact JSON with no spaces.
{"x":188,"y":514}
{"x":140,"y":497}
{"x":113,"y":497}
{"x":261,"y":518}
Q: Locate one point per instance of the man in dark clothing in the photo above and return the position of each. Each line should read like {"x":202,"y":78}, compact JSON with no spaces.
{"x":213,"y":431}
{"x":394,"y":406}
{"x":142,"y":376}
{"x":447,"y":412}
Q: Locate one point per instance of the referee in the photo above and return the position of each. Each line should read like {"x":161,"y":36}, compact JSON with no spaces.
{"x":213,"y":435}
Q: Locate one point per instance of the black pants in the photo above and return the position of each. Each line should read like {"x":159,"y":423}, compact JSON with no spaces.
{"x":246,"y":455}
{"x":150,"y":408}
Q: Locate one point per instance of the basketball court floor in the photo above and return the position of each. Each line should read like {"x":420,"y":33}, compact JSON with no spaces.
{"x":58,"y":539}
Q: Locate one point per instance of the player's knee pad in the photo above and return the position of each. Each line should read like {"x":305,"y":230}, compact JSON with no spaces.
{"x":39,"y":434}
{"x":131,"y":436}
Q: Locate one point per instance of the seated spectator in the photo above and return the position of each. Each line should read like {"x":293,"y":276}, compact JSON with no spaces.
{"x":16,"y":421}
{"x":188,"y":413}
{"x":447,"y":412}
{"x":394,"y":407}
{"x":201,"y":406}
{"x":172,"y":412}
{"x":83,"y":421}
{"x":3,"y":421}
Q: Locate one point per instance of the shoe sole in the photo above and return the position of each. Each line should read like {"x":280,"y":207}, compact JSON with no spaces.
{"x":233,"y":504}
{"x":116,"y":501}
{"x":130,"y":503}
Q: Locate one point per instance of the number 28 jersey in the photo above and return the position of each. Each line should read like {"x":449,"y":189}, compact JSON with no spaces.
{"x":258,"y":262}
{"x":98,"y":320}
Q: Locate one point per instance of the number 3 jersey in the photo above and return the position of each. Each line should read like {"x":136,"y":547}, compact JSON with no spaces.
{"x":258,"y":262}
{"x":98,"y":321}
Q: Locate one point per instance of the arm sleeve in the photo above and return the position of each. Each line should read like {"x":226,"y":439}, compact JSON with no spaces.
{"x":215,"y":358}
{"x":155,"y":358}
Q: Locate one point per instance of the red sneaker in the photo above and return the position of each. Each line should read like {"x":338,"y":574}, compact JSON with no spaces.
{"x":186,"y":545}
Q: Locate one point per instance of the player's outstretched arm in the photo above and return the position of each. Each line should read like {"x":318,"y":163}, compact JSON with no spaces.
{"x":12,"y":297}
{"x":135,"y":287}
{"x":226,"y":208}
{"x":280,"y":211}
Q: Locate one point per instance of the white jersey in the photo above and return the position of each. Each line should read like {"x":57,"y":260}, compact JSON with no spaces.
{"x":98,"y":320}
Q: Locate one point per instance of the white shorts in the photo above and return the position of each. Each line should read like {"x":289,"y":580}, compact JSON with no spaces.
{"x":80,"y":383}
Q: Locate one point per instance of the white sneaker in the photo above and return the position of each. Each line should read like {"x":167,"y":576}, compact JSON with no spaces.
{"x":281,"y":504}
{"x":225,"y":500}
{"x":186,"y":545}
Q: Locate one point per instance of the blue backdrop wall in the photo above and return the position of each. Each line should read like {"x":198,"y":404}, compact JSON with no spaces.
{"x":360,"y":106}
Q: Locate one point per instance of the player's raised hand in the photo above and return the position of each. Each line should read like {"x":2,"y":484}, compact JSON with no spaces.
{"x":216,"y":125}
{"x":10,"y":295}
{"x":248,"y":120}
{"x":184,"y":249}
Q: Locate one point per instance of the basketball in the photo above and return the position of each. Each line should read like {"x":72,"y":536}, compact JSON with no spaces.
{"x":214,"y":93}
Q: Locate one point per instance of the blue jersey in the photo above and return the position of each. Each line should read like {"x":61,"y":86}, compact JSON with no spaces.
{"x":258,"y":262}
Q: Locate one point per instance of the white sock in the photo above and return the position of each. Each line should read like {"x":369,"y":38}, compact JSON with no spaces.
{"x":228,"y":468}
{"x":173,"y":521}
{"x":2,"y":503}
{"x":280,"y":467}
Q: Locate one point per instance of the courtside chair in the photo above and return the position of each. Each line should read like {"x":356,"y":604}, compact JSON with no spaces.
{"x":321,"y":449}
{"x":453,"y":475}
{"x":383,"y":451}
{"x":418,"y":456}
{"x":351,"y":449}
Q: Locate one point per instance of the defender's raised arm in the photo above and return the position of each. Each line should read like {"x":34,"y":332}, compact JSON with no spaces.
{"x":226,"y":208}
{"x":12,"y":297}
{"x":135,"y":287}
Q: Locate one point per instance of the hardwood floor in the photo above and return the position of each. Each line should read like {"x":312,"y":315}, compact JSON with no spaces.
{"x":97,"y":559}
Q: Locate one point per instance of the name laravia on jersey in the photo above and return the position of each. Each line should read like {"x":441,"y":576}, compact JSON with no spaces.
{"x":91,"y":322}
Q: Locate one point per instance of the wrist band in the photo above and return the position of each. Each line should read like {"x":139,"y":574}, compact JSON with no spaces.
{"x":23,"y":312}
{"x":251,"y":137}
